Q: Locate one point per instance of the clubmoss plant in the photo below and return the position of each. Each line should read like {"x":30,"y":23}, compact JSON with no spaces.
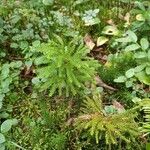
{"x":64,"y":67}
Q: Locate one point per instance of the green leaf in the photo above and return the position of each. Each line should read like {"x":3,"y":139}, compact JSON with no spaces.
{"x":92,"y":21}
{"x":143,"y":77}
{"x":14,"y":121}
{"x":120,"y":79}
{"x":2,"y":147}
{"x":2,"y":97}
{"x":2,"y":138}
{"x":40,"y":60}
{"x":147,"y":70}
{"x":129,"y":84}
{"x":139,"y":68}
{"x":140,"y":5}
{"x":5,"y":71}
{"x":144,"y":43}
{"x":48,"y":2}
{"x":130,"y":73}
{"x":35,"y":80}
{"x":1,"y":104}
{"x":2,"y":54}
{"x":5,"y":85}
{"x":123,"y":40}
{"x":140,"y":17}
{"x":15,"y":19}
{"x":148,"y":55}
{"x":110,"y":109}
{"x":4,"y":115}
{"x":140,"y":55}
{"x":136,"y":100}
{"x":132,"y":36}
{"x":14,"y":45}
{"x":16,"y":64}
{"x":6,"y":126}
{"x":1,"y":100}
{"x":28,"y":63}
{"x":23,"y":45}
{"x":132,"y":47}
{"x":110,"y":30}
{"x":101,"y":40}
{"x":36,"y":43}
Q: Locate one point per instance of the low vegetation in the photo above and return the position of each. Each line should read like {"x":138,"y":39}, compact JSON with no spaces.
{"x":74,"y":76}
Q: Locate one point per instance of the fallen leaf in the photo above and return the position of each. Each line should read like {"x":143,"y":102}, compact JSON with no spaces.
{"x":110,"y":30}
{"x":101,"y":40}
{"x":89,"y":41}
{"x":127,"y":19}
{"x":111,"y":22}
{"x":118,"y":106}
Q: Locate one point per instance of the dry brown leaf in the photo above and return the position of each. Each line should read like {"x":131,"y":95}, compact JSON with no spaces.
{"x":118,"y":106}
{"x":111,"y":22}
{"x":127,"y":18}
{"x":89,"y":41}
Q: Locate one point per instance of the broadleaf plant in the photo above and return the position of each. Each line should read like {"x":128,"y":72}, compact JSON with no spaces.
{"x":141,"y":54}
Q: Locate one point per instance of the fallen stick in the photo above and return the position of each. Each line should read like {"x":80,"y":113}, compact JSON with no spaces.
{"x":104,"y":85}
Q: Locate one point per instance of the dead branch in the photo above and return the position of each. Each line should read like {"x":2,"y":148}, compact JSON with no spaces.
{"x":104,"y":85}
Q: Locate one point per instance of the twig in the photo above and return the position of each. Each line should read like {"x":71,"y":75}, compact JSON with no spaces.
{"x":82,"y":118}
{"x":104,"y":85}
{"x":15,"y":58}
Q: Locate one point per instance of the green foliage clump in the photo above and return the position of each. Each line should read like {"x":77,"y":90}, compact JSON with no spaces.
{"x":43,"y":124}
{"x":8,"y":80}
{"x":142,"y":22}
{"x":145,"y":107}
{"x":116,"y":65}
{"x":141,"y":55}
{"x":97,"y":122}
{"x":64,"y":67}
